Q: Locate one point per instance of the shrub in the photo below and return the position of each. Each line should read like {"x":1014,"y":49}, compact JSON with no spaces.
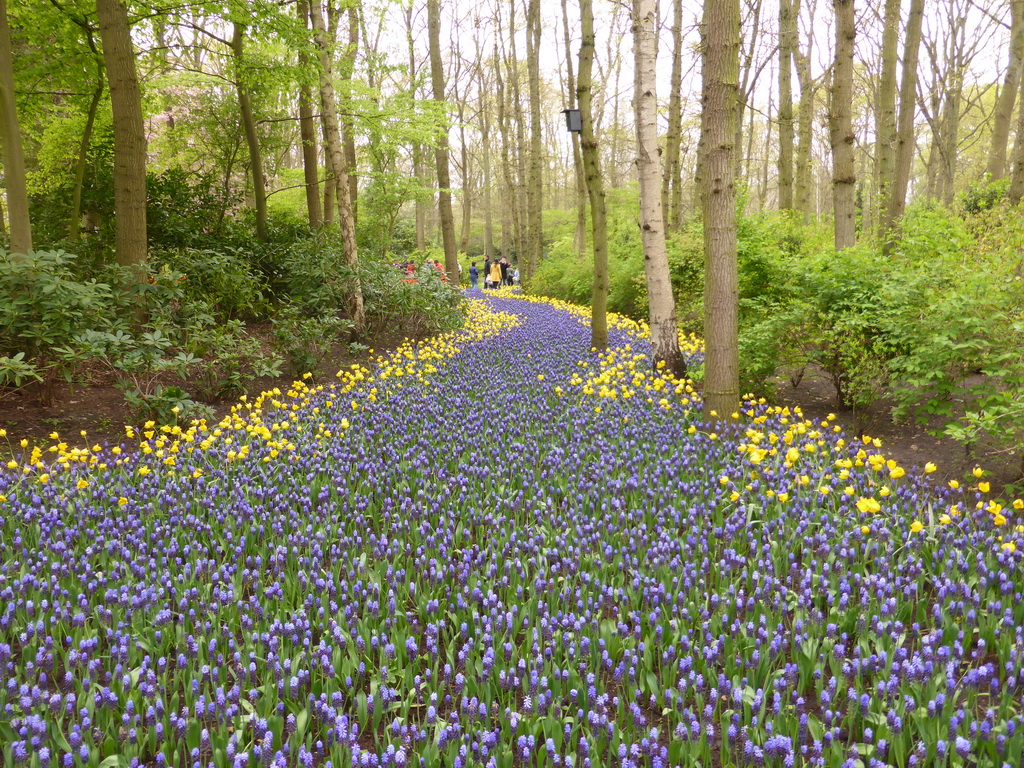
{"x":305,"y":341}
{"x":43,"y":308}
{"x":222,"y":278}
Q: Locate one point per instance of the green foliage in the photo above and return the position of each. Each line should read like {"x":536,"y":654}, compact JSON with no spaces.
{"x":414,"y":308}
{"x":305,"y":341}
{"x":16,"y":370}
{"x":983,"y":195}
{"x":43,"y":308}
{"x":223,"y":277}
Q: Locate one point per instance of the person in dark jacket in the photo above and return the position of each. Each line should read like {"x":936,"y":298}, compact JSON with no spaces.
{"x":487,"y":273}
{"x":474,"y":274}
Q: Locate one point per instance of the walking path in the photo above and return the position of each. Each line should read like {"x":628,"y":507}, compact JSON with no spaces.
{"x":502,"y":548}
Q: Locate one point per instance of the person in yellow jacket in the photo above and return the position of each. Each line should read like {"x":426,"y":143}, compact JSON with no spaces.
{"x":495,"y":274}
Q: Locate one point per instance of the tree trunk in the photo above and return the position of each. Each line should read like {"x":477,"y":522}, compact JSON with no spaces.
{"x":75,"y":217}
{"x":595,"y":183}
{"x":950,"y":139}
{"x":535,"y":196}
{"x":417,"y":150}
{"x":129,"y":135}
{"x":805,"y":119}
{"x":1016,"y":191}
{"x":485,"y":139}
{"x":661,"y":303}
{"x":444,"y":196}
{"x":905,"y":143}
{"x":259,"y":190}
{"x":521,"y":191}
{"x":346,"y":70}
{"x":788,"y":13}
{"x":719,"y":114}
{"x":580,"y":238}
{"x":885,"y":111}
{"x":844,"y":176}
{"x":335,"y":155}
{"x":1008,"y":93}
{"x":10,"y":141}
{"x":510,"y":220}
{"x":670,"y":197}
{"x":307,"y":131}
{"x":746,"y":82}
{"x":467,"y":188}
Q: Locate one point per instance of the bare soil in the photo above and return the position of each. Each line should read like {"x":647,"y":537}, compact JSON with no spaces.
{"x":909,"y":443}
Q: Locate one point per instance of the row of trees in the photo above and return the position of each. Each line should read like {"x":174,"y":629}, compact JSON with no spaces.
{"x":360,"y":110}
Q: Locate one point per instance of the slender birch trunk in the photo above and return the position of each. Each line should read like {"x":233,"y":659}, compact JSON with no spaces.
{"x":346,"y":70}
{"x":580,"y":238}
{"x":661,"y":303}
{"x":536,"y":195}
{"x":1016,"y":191}
{"x":885,"y":110}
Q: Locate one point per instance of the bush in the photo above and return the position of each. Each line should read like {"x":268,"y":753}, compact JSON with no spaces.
{"x":305,"y":341}
{"x":415,"y":308}
{"x":43,"y":309}
{"x":223,"y":278}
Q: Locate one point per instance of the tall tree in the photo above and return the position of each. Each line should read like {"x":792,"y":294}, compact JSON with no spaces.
{"x":1008,"y":93}
{"x":129,"y":134}
{"x":885,"y":108}
{"x":259,"y":189}
{"x":451,"y":258}
{"x":1016,"y":191}
{"x":485,"y":140}
{"x":535,"y":195}
{"x":580,"y":238}
{"x":671,"y":191}
{"x":307,"y":130}
{"x":10,"y":142}
{"x":660,"y":301}
{"x":844,"y":176}
{"x":346,"y":71}
{"x":417,"y":147}
{"x":595,"y":182}
{"x":336,"y":160}
{"x":905,"y":138}
{"x":720,"y":30}
{"x":805,"y":119}
{"x":788,"y":13}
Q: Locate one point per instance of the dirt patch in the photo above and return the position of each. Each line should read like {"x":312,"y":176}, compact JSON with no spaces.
{"x":910,"y":443}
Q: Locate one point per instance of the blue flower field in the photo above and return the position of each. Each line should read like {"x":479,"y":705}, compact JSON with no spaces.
{"x":500,"y":548}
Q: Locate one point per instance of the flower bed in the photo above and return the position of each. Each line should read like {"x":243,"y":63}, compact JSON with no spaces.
{"x":501,"y":548}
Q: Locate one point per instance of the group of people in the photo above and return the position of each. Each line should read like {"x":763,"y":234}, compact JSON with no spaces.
{"x":496,"y":273}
